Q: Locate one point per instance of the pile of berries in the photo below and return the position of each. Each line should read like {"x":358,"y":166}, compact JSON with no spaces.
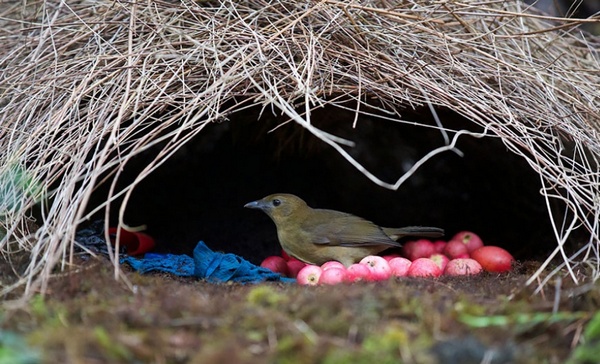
{"x":464,"y":254}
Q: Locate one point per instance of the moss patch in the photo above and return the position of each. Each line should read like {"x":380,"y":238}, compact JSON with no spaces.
{"x":88,"y":316}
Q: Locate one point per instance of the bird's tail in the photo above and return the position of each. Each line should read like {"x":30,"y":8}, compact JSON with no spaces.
{"x":422,"y":231}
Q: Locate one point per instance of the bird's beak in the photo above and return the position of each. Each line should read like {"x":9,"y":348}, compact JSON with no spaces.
{"x":255,"y":205}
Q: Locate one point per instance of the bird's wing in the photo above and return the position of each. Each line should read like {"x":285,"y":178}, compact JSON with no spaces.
{"x":337,"y":228}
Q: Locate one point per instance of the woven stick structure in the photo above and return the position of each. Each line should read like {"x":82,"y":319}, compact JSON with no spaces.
{"x":87,"y":85}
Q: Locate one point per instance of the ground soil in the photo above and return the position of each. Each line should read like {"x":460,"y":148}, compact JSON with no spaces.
{"x":88,"y":317}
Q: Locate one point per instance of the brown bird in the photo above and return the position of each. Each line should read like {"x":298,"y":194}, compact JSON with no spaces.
{"x":315,"y":236}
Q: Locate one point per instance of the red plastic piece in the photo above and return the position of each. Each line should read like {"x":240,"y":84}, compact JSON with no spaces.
{"x":135,"y":243}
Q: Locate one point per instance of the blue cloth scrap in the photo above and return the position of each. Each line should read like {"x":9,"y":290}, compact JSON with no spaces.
{"x":206,"y":264}
{"x":179,"y":265}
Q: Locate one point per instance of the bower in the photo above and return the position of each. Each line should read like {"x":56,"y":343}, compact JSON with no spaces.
{"x":479,"y":117}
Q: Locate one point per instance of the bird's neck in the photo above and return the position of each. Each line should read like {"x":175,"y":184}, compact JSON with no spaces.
{"x":296,"y":216}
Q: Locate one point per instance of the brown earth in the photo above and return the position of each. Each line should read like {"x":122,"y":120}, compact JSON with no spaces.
{"x":88,"y":317}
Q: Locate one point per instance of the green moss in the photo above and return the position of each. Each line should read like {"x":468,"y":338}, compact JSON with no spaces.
{"x":90,"y":317}
{"x":589,"y":350}
{"x":38,"y":306}
{"x":292,"y":349}
{"x":111,"y":347}
{"x":17,"y":185}
{"x":265,"y":295}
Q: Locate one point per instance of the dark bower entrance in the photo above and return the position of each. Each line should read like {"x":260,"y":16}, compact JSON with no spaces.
{"x":199,"y":193}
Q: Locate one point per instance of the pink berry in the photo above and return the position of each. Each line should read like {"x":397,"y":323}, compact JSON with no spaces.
{"x":358,"y":272}
{"x":421,"y":248}
{"x":294,"y":266}
{"x":439,"y":246}
{"x":493,"y":258}
{"x":309,"y":275}
{"x":333,"y":276}
{"x":379,"y":267}
{"x":332,"y":264}
{"x":424,"y":267}
{"x":462,"y":267}
{"x":441,"y":260}
{"x":455,"y":248}
{"x":470,"y":239}
{"x":276,"y":264}
{"x":399,"y":266}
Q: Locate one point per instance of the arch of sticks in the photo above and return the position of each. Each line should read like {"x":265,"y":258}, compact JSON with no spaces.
{"x":88,"y":85}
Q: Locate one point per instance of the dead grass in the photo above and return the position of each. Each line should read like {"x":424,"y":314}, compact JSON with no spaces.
{"x":88,"y":85}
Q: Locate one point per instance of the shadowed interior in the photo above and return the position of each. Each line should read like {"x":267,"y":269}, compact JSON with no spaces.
{"x":199,"y":193}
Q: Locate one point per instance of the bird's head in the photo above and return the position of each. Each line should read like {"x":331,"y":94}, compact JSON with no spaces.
{"x":279,"y":206}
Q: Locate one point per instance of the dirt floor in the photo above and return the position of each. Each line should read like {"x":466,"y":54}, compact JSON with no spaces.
{"x":88,"y":317}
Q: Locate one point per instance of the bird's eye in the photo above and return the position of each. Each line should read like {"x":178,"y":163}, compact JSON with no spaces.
{"x":276,"y":202}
